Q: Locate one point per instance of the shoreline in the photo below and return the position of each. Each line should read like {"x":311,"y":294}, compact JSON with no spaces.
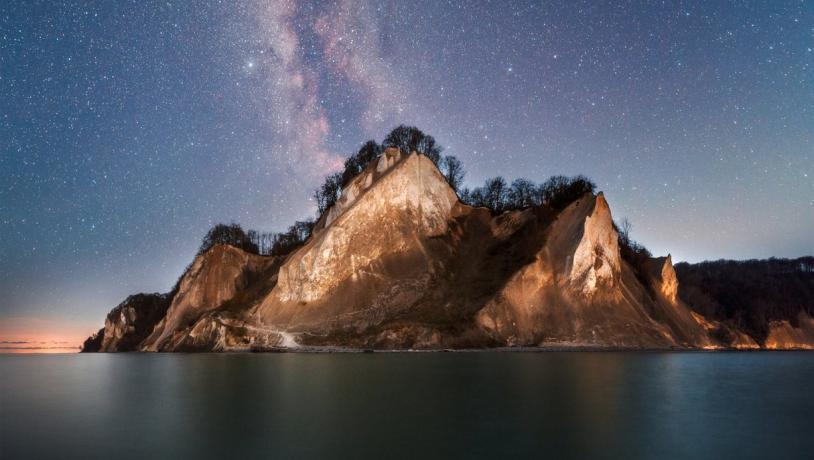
{"x":344,"y":350}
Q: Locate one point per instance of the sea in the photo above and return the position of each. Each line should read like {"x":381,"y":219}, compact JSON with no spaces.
{"x":547,"y":405}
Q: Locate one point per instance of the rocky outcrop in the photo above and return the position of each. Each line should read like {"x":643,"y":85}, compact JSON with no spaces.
{"x":661,"y":280}
{"x":664,"y":278}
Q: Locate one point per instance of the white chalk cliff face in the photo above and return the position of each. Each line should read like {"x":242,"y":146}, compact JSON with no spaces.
{"x":214,"y":278}
{"x":399,"y":262}
{"x":383,"y":219}
{"x":579,"y":292}
{"x":596,"y":261}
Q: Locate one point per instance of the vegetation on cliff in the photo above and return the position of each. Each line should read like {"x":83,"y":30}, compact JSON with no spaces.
{"x":557,"y":192}
{"x":496,"y":194}
{"x":93,"y":343}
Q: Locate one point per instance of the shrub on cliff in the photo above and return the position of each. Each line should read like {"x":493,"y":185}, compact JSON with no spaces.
{"x":522,"y":194}
{"x":407,"y":139}
{"x":331,"y":189}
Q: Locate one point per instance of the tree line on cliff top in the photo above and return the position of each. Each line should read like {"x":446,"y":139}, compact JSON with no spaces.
{"x":496,"y":193}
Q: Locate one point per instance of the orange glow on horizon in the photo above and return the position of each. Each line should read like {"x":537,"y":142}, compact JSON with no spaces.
{"x":21,"y":351}
{"x":35,"y":335}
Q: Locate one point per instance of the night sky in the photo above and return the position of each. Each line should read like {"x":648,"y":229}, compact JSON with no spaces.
{"x":129,"y":128}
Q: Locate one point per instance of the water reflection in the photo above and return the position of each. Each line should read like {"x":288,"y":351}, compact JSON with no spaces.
{"x":558,"y":405}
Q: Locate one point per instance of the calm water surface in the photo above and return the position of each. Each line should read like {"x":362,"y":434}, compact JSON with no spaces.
{"x":436,"y":405}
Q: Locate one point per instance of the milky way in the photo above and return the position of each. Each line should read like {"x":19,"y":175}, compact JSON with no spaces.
{"x":129,"y":128}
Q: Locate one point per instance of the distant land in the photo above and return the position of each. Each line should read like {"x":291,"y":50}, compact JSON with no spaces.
{"x":400,"y":257}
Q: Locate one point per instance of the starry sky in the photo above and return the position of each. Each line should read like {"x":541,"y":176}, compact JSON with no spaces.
{"x":128,"y":128}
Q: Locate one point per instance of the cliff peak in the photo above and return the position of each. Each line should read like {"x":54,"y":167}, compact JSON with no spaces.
{"x":584,"y":238}
{"x":664,"y":277}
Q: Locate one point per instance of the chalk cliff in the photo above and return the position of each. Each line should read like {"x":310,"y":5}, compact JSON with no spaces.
{"x":221,"y":280}
{"x":399,"y":262}
{"x":129,"y":323}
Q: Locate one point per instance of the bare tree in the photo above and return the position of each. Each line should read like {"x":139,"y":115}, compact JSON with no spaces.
{"x":624,"y":231}
{"x":453,"y":171}
{"x":330,"y":191}
{"x":522,"y":194}
{"x":495,"y":194}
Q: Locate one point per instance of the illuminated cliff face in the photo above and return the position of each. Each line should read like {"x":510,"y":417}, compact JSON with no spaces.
{"x":579,"y":292}
{"x":214,"y":278}
{"x":390,"y":266}
{"x":386,"y":213}
{"x":410,"y":201}
{"x":664,"y":276}
{"x":596,"y":260}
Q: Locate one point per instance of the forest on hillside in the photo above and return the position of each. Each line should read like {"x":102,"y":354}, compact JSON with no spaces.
{"x":749,"y":294}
